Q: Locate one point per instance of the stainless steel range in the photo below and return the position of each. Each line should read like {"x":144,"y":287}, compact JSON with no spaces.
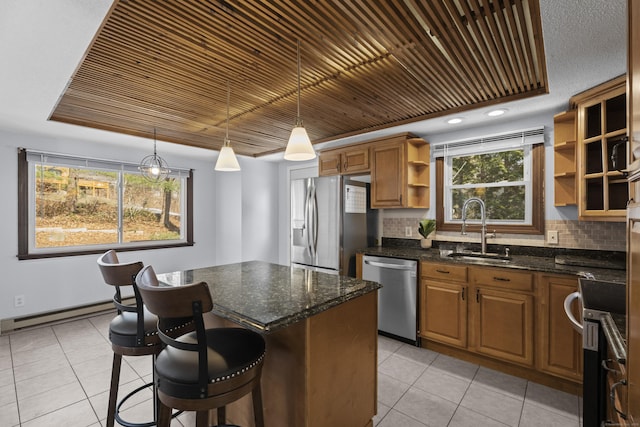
{"x":598,"y":300}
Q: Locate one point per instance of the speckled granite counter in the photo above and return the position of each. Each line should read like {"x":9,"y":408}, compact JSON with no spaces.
{"x":266,"y":297}
{"x":523,"y":262}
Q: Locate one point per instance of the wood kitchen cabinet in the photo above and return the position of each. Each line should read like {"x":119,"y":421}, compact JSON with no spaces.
{"x":559,"y":345}
{"x":564,"y":159}
{"x":348,"y":160}
{"x":489,"y":311}
{"x":443,"y":303}
{"x":501,"y":314}
{"x":602,"y":130}
{"x":400,"y":172}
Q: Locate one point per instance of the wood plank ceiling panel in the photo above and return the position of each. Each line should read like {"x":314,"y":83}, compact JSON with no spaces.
{"x":365,"y":66}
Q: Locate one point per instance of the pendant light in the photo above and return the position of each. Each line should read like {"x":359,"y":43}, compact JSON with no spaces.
{"x":227,"y":161}
{"x":153,"y":167}
{"x":299,"y":146}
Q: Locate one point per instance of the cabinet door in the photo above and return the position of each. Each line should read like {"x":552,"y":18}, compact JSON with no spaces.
{"x":443,"y":309}
{"x":329,"y":163}
{"x":560,"y":345}
{"x":503,"y":325}
{"x":355,"y":160}
{"x":387,"y":177}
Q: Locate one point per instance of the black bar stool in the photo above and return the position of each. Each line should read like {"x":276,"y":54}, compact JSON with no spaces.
{"x":200,"y":369}
{"x":133,"y":332}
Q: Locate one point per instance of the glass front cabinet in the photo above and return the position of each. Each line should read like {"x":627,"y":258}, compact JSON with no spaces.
{"x":602,"y":153}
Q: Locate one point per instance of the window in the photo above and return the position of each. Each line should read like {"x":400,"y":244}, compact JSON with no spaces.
{"x":505,"y":171}
{"x":71,"y":206}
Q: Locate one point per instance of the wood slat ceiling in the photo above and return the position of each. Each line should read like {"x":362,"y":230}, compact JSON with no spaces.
{"x":366,"y":65}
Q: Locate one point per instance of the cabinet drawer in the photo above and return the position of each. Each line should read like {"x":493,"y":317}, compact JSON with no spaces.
{"x":448,"y":272}
{"x":501,"y":278}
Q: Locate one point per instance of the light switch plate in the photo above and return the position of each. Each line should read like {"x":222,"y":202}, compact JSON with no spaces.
{"x":552,"y":237}
{"x":407,"y":231}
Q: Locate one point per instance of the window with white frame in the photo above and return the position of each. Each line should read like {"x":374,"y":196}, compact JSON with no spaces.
{"x":502,"y":170}
{"x":70,"y":205}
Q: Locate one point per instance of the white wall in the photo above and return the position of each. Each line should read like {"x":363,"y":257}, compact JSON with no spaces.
{"x":260,"y":211}
{"x":220,"y":203}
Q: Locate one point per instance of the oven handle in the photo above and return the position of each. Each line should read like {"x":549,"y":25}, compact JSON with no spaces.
{"x":567,"y":309}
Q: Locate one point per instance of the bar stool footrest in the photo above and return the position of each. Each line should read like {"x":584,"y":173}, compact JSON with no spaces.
{"x":130,"y":424}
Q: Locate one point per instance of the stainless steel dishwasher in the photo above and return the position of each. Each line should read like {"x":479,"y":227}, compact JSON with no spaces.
{"x":398,"y":297}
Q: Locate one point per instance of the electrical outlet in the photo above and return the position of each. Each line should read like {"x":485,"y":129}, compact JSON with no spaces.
{"x":407,"y":231}
{"x":18,"y":301}
{"x":552,"y":237}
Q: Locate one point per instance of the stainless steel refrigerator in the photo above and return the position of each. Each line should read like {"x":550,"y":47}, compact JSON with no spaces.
{"x":330,"y":220}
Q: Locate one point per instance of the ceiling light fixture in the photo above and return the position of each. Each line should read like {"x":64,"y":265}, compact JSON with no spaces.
{"x":496,"y":113}
{"x":455,"y":120}
{"x":227,"y":161}
{"x":153,"y":167}
{"x":299,"y":146}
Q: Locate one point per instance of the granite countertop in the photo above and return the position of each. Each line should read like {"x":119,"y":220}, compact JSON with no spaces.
{"x":265,"y":297}
{"x":546,"y":264}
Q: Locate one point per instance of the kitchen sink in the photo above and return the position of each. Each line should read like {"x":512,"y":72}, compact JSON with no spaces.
{"x":480,"y":258}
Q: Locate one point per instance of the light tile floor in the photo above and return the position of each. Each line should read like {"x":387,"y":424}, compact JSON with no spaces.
{"x":58,"y":375}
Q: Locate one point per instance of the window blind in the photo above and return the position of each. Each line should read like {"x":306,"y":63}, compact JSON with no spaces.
{"x":69,"y":160}
{"x":489,"y":143}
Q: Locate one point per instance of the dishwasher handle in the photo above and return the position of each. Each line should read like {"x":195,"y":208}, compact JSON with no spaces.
{"x":390,"y":266}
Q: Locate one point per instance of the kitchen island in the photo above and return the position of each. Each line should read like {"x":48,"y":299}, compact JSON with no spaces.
{"x":321,"y":335}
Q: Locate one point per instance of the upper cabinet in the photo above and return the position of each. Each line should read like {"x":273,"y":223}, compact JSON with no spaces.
{"x":400,"y":173}
{"x":591,"y":153}
{"x":345,"y":160}
{"x":564,"y":155}
{"x":602,"y":152}
{"x":399,"y":168}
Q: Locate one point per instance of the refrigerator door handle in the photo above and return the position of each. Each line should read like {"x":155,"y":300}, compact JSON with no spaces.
{"x":313,"y":225}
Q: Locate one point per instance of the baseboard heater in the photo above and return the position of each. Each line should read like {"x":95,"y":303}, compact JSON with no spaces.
{"x":8,"y":325}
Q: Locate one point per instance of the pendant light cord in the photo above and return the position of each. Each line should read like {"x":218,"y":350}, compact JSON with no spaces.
{"x":154,"y":143}
{"x":298,"y":121}
{"x":226,"y":139}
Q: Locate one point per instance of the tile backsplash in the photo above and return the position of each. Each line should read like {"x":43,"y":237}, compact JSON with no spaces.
{"x":607,"y":236}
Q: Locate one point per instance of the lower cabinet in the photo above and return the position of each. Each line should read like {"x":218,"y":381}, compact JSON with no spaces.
{"x":559,"y":344}
{"x":443,"y":302}
{"x":513,"y":316}
{"x":502,"y":314}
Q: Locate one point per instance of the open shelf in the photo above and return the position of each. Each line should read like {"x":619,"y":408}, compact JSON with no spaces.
{"x":564,"y":149}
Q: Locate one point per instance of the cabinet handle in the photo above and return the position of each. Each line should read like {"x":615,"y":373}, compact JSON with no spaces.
{"x":442,"y":271}
{"x":478,"y":295}
{"x":338,"y":165}
{"x":612,"y":398}
{"x":501,"y":279}
{"x":462,"y":294}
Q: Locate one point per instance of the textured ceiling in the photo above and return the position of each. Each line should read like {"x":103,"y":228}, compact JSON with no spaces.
{"x":365,"y":66}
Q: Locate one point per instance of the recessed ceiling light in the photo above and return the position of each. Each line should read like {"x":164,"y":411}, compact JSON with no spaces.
{"x":454,"y":120}
{"x":498,"y":112}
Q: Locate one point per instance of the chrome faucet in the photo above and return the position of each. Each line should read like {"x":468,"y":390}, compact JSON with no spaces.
{"x":483,"y":229}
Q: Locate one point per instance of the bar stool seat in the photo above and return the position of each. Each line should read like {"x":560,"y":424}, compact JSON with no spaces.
{"x":200,"y":369}
{"x":132,"y":332}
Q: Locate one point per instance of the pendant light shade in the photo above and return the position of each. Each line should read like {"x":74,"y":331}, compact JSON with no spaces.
{"x":153,"y":167}
{"x":227,"y":161}
{"x":299,"y":146}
